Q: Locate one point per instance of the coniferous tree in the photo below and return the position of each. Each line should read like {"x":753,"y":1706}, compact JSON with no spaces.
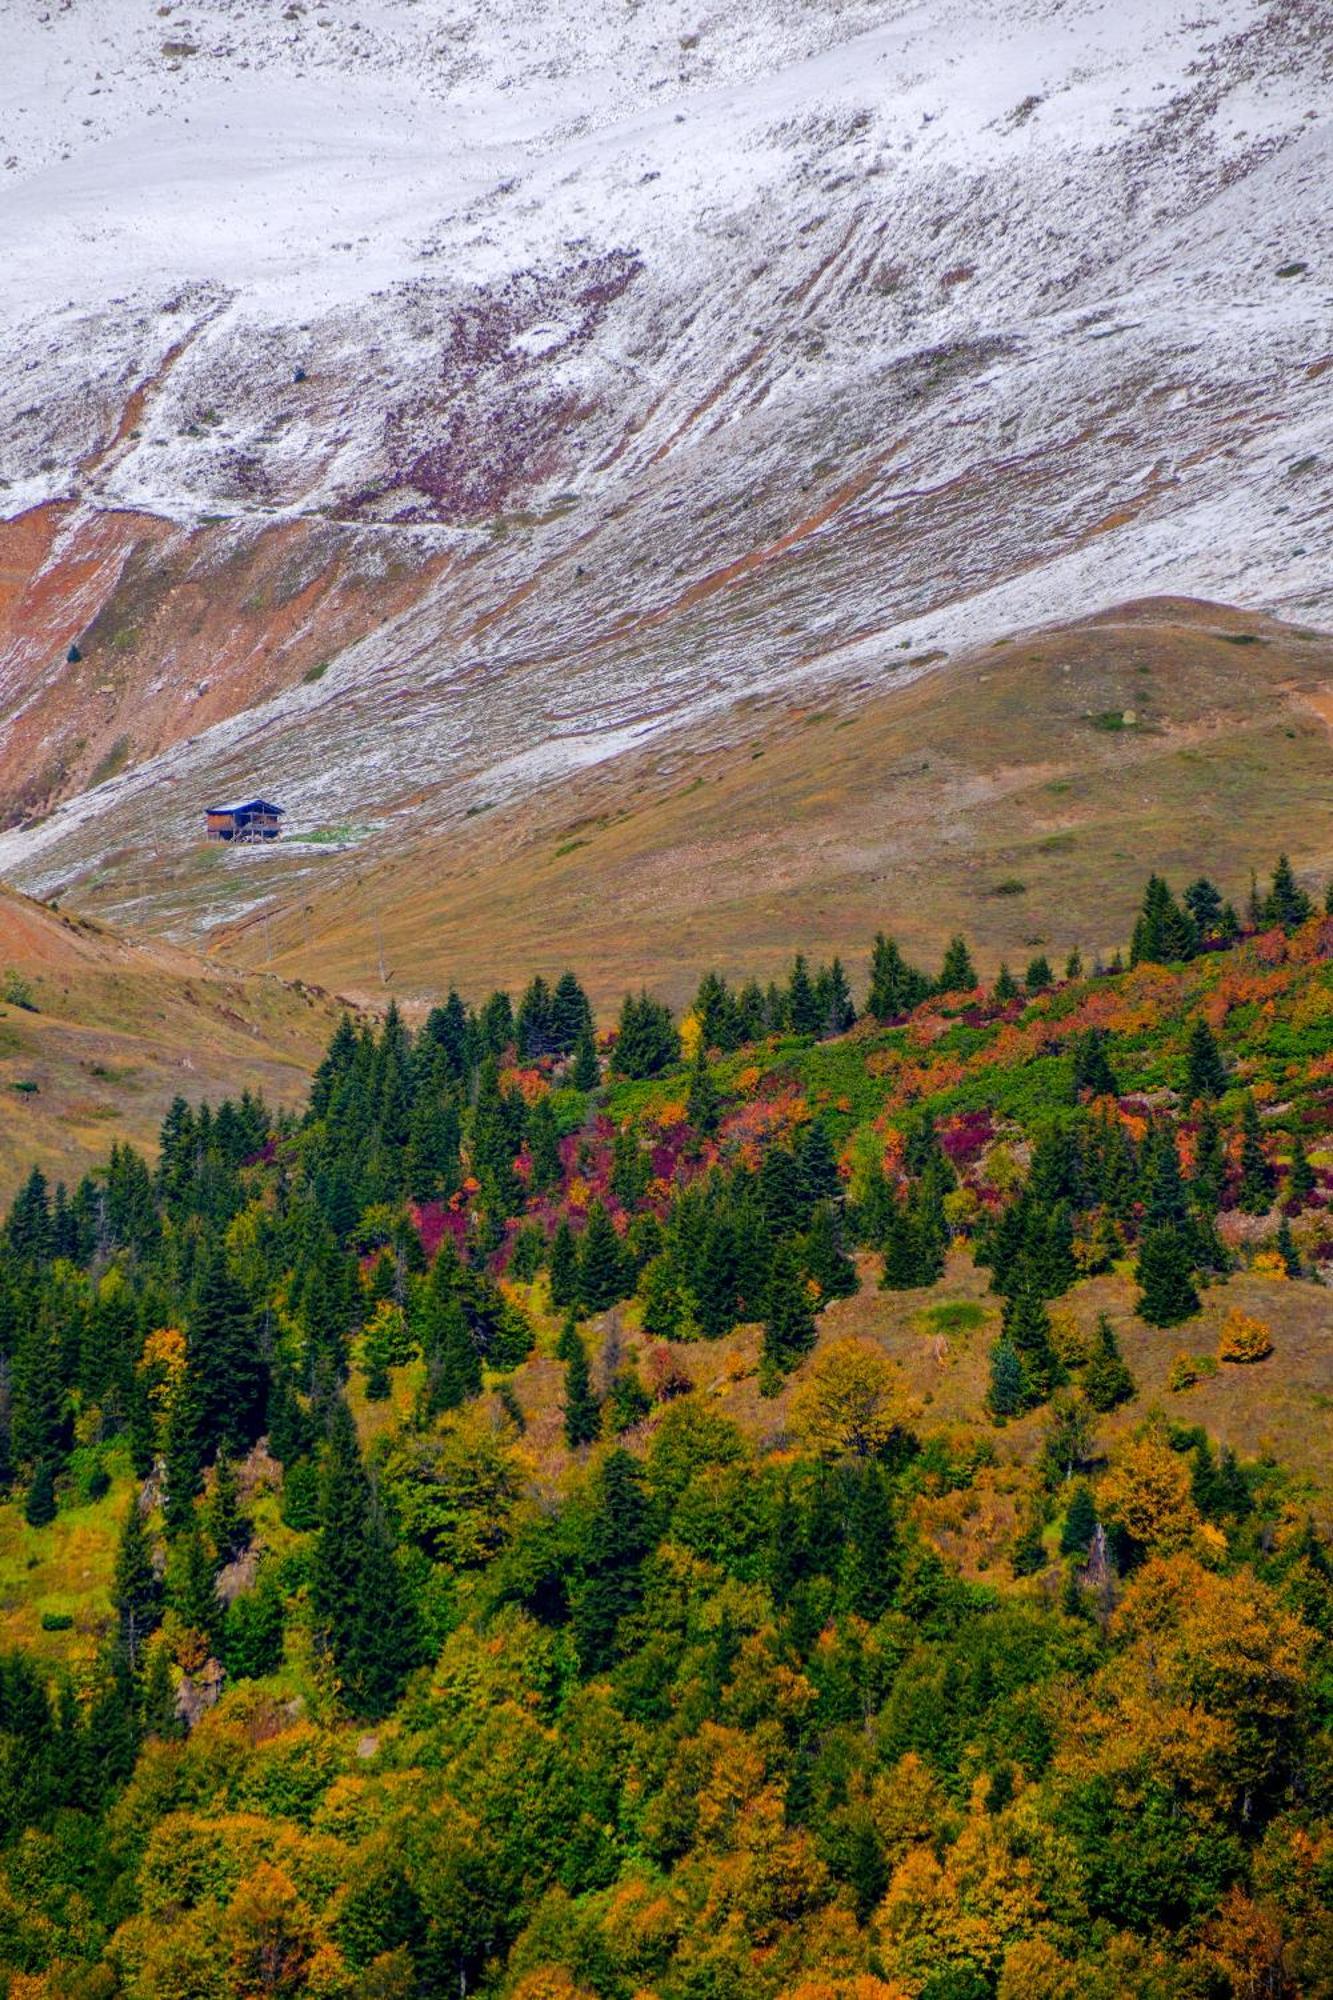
{"x":183,"y":1454}
{"x":544,"y":1148}
{"x":803,"y":1012}
{"x":1204,"y":903}
{"x":1005,"y":988}
{"x":835,"y":1000}
{"x":1210,"y":1164}
{"x":453,"y":1365}
{"x":1205,"y":1075}
{"x":824,"y":1259}
{"x":362,"y":1616}
{"x":1255,"y":1195}
{"x":1107,"y":1381}
{"x":229,"y":1375}
{"x":896,"y":988}
{"x":586,"y":1073}
{"x":1165,"y":1277}
{"x":1008,"y":1395}
{"x":1286,"y":1249}
{"x":789,"y":1318}
{"x":39,"y":1509}
{"x":1039,"y":978}
{"x":1286,"y":903}
{"x":1080,"y":1524}
{"x":571,"y":1016}
{"x":1164,"y":931}
{"x":957,"y":974}
{"x":378,"y":1356}
{"x":715,"y":1009}
{"x":226,"y":1523}
{"x":603,"y":1274}
{"x":136,"y":1593}
{"x":564,"y":1271}
{"x":1027,"y":1327}
{"x":703,"y":1106}
{"x":192,"y":1587}
{"x":582,"y":1412}
{"x":1092,"y":1065}
{"x":1301,"y":1181}
{"x":867,"y":1570}
{"x":613,"y":1544}
{"x":904,"y":1264}
{"x":646,"y":1041}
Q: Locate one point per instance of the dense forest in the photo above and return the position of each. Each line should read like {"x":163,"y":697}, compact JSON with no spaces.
{"x":462,"y":1631}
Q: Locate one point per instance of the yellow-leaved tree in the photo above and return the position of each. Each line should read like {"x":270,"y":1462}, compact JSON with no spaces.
{"x":851,"y":1402}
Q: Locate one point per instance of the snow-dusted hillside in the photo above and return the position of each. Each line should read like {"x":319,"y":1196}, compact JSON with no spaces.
{"x":683,"y":352}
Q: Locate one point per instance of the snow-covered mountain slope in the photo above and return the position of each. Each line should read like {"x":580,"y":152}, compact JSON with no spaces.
{"x":561,"y":373}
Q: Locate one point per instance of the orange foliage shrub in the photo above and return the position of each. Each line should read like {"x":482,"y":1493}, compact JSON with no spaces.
{"x":1244,"y":1338}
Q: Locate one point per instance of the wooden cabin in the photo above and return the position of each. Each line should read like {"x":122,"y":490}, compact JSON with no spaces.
{"x":249,"y":819}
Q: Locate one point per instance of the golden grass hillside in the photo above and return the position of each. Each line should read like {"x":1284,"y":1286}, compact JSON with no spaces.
{"x":98,"y":1034}
{"x":1020,"y":795}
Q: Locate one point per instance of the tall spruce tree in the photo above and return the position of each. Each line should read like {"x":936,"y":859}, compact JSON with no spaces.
{"x":1107,"y":1381}
{"x":582,"y":1412}
{"x":1165,"y":1277}
{"x":789,"y":1318}
{"x":1255,"y":1195}
{"x":1205,"y":1075}
{"x":361,"y":1612}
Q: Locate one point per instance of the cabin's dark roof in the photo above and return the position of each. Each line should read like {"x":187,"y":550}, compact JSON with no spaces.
{"x":246,"y":806}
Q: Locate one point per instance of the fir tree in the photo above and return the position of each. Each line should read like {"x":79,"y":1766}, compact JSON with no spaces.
{"x":1301,"y":1181}
{"x":1027,"y":1327}
{"x":377,"y":1355}
{"x":1039,"y":978}
{"x":362,"y":1617}
{"x":609,"y":1556}
{"x":1080,"y":1524}
{"x":1165,"y":1277}
{"x":1008,"y":1393}
{"x":39,"y":1509}
{"x":646,"y":1040}
{"x":896,"y":988}
{"x":453,"y":1366}
{"x":803,"y":1012}
{"x":1107,"y":1381}
{"x":1205,"y":1076}
{"x":603,"y":1277}
{"x":226,"y":1524}
{"x":1204,"y":903}
{"x":582,"y":1411}
{"x":136,"y":1593}
{"x":1092,"y":1065}
{"x":1210,"y":1164}
{"x":193,"y":1589}
{"x":703,"y":1106}
{"x":1286,"y":904}
{"x":1005,"y":988}
{"x":1286,"y":1249}
{"x":957,"y":974}
{"x":716,"y":1010}
{"x":789,"y":1319}
{"x":564,"y":1270}
{"x":1164,"y":932}
{"x":1255,"y":1195}
{"x":229,"y":1374}
{"x":586,"y":1073}
{"x":825,"y":1260}
{"x":571,"y":1017}
{"x":544,"y":1148}
{"x":867,"y":1570}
